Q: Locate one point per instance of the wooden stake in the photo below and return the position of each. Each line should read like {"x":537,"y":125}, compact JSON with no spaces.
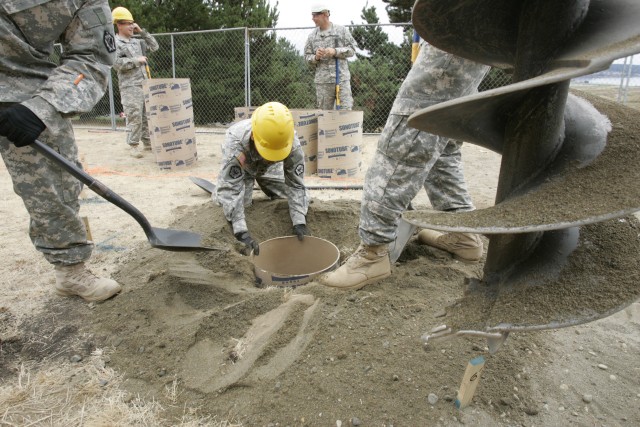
{"x":469,"y":382}
{"x":84,"y":192}
{"x":86,"y":225}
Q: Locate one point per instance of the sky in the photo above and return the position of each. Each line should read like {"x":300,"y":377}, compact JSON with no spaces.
{"x":297,"y":13}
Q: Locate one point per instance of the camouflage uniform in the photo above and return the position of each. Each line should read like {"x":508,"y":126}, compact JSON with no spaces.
{"x":339,"y":38}
{"x":407,"y":159}
{"x":28,"y":29}
{"x":131,"y":74}
{"x":241,"y":165}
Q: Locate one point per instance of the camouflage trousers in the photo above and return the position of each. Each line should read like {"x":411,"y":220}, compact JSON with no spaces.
{"x":326,"y":96}
{"x":271,"y":182}
{"x":50,"y":195}
{"x":405,"y":161}
{"x":132,"y":98}
{"x":273,"y":188}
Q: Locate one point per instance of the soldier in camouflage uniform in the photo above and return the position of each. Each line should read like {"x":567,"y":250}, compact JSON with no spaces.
{"x":132,"y":68}
{"x":327,"y":44}
{"x":250,"y":151}
{"x":408,"y":159}
{"x":37,"y":97}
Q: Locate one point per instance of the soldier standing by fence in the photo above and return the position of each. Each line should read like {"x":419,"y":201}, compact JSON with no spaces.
{"x":326,"y":51}
{"x":132,"y":67}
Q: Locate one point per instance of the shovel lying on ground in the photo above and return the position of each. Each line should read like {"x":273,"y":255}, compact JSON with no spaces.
{"x":207,"y":186}
{"x":161,"y":238}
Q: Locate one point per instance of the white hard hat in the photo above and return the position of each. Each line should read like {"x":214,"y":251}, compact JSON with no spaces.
{"x":319,"y":7}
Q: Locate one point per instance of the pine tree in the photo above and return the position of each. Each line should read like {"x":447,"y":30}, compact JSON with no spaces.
{"x":399,"y":11}
{"x":380,"y":69}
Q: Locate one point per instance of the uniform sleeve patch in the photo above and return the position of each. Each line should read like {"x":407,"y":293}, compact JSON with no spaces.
{"x":109,"y":41}
{"x":299,"y":169}
{"x":235,"y":172}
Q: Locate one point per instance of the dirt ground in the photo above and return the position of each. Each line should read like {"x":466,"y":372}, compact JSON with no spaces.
{"x":192,"y":340}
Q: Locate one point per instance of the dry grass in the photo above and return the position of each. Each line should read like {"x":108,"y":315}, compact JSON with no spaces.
{"x":85,"y":394}
{"x":611,"y":92}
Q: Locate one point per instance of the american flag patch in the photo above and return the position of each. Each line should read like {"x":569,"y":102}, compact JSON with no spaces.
{"x":242,"y":159}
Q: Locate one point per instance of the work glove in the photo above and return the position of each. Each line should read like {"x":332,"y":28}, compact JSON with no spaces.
{"x":20,"y":125}
{"x":250,"y":243}
{"x":301,"y":230}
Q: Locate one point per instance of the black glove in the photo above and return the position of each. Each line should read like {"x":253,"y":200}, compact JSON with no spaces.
{"x":301,"y":230}
{"x":245,"y":237}
{"x":20,"y":125}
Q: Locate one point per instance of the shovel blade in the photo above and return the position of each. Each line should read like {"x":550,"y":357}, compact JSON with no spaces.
{"x":207,"y":186}
{"x":178,"y":240}
{"x":403,"y":234}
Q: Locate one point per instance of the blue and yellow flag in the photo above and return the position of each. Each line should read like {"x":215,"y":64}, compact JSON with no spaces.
{"x":415,"y":46}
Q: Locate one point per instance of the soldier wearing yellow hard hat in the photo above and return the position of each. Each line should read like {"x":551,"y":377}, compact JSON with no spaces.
{"x":132,"y":68}
{"x":263,"y":149}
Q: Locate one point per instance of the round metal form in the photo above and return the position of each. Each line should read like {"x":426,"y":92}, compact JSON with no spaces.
{"x":287,"y":261}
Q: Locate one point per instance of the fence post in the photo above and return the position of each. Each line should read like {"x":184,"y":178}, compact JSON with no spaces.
{"x":173,"y":58}
{"x":247,"y":69}
{"x":112,"y":106}
{"x":624,"y":67}
{"x":629,"y":74}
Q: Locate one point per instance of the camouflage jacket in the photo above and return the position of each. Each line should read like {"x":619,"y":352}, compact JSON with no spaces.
{"x":240,"y":160}
{"x":131,"y":72}
{"x":337,"y":37}
{"x":435,"y":77}
{"x":28,"y":29}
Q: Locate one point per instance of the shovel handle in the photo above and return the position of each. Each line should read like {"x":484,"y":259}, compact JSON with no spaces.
{"x":94,"y":185}
{"x":337,"y":85}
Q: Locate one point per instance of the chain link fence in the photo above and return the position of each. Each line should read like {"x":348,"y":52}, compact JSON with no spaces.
{"x":239,"y":67}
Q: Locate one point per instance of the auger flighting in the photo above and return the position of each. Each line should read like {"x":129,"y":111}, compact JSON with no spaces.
{"x":562,"y":249}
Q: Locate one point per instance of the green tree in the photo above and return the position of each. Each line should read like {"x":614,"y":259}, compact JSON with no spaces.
{"x":169,"y":16}
{"x":379,"y":70}
{"x":279,"y":72}
{"x":215,"y":62}
{"x":399,"y":11}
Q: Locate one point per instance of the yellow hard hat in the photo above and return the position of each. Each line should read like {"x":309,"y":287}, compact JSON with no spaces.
{"x":272,"y":127}
{"x":121,"y":14}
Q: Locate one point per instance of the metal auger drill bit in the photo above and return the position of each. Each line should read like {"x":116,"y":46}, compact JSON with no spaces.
{"x":561,"y":251}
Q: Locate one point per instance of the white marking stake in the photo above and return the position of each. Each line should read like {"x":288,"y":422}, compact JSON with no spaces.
{"x":469,"y":381}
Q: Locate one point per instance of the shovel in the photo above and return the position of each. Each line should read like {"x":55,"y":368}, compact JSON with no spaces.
{"x":207,"y":186}
{"x":161,"y":238}
{"x":405,"y":231}
{"x":337,"y":85}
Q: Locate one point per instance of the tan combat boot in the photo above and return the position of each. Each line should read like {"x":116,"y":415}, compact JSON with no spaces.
{"x":368,"y":264}
{"x":135,"y":152}
{"x":466,"y":247}
{"x":78,"y":280}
